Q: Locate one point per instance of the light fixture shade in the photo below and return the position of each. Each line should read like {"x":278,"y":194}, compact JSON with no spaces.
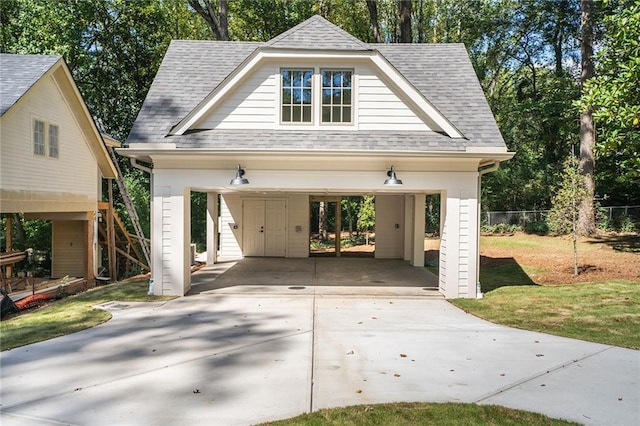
{"x":392,"y":180}
{"x":239,"y":180}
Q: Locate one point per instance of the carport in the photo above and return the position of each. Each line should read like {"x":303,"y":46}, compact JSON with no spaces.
{"x":338,"y":276}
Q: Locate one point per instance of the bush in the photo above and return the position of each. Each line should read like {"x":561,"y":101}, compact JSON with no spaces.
{"x":500,"y":228}
{"x":538,"y":227}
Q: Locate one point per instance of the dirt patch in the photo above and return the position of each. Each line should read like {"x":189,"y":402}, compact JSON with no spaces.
{"x":549,"y":260}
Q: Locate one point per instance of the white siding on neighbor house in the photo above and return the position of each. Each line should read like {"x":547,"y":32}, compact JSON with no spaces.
{"x":379,"y":108}
{"x":255,"y":103}
{"x":251,"y":106}
{"x":67,"y":251}
{"x":74,"y":172}
{"x":389,"y":238}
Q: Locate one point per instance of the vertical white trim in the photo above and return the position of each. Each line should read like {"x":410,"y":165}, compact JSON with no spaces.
{"x":418,"y":231}
{"x":408,"y":226}
{"x":212,"y":231}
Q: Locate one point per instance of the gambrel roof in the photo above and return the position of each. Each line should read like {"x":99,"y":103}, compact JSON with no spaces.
{"x":441,"y":74}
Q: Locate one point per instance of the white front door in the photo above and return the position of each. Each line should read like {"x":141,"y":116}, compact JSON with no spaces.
{"x":264,"y":228}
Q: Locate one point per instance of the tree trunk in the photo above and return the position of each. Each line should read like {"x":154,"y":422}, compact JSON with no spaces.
{"x":586,"y":221}
{"x":421,"y":37}
{"x":405,"y":21}
{"x":322,"y":222}
{"x":216,"y":18}
{"x":372,"y":5}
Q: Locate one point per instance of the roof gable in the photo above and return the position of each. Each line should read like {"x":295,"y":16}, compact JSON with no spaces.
{"x":18,"y":73}
{"x":316,"y":33}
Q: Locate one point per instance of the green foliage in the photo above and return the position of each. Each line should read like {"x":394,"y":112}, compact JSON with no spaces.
{"x":563,"y":216}
{"x":367,"y":214}
{"x":614,"y":96}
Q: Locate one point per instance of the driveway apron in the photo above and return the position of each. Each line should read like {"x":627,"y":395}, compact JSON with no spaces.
{"x":235,"y":359}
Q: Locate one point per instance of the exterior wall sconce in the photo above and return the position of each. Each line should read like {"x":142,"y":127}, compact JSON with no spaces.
{"x":239,"y":180}
{"x":392,"y":179}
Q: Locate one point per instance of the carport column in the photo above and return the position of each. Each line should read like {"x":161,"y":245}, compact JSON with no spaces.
{"x":417,"y":259}
{"x":408,"y":226}
{"x":171,"y":237}
{"x":459,"y":244}
{"x":212,"y":228}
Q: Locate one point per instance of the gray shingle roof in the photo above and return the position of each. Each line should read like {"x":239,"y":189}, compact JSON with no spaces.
{"x":441,"y":72}
{"x":317,"y":33}
{"x":18,"y":73}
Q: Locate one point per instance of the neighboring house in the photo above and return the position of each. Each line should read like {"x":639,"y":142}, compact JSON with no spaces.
{"x":312,"y":115}
{"x":52,"y":158}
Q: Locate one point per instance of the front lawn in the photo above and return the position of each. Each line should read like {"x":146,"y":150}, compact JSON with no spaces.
{"x":69,"y":315}
{"x":604,"y":312}
{"x":402,"y":413}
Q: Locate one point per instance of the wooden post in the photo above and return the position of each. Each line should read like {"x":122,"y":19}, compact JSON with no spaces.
{"x":9,"y":243}
{"x":111,"y":237}
{"x":89,"y":274}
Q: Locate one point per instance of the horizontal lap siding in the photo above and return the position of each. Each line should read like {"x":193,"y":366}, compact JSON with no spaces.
{"x":252,"y":106}
{"x":230,"y":215}
{"x":298,"y":216}
{"x":74,"y":172}
{"x":389,"y":239}
{"x":380,"y":108}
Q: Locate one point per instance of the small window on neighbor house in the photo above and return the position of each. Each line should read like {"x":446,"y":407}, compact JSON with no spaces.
{"x":296,"y":96}
{"x":53,"y":141}
{"x":38,"y":137}
{"x":336,"y":96}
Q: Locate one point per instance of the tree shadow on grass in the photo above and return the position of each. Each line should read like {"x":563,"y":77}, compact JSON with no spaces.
{"x":495,"y":272}
{"x":629,"y":243}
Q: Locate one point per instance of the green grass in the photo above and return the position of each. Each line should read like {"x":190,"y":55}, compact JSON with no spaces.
{"x":604,"y":312}
{"x":421,"y":414}
{"x":69,"y":315}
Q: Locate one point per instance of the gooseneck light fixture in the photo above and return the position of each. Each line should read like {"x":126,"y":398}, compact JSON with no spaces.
{"x":392,"y":178}
{"x":239,"y":179}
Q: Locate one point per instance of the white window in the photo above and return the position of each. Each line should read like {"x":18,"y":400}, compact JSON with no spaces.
{"x":38,"y":137}
{"x":296,"y":95}
{"x":46,"y":139}
{"x":53,"y":141}
{"x":336,"y":96}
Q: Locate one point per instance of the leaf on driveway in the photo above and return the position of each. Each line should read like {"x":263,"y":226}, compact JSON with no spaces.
{"x":403,"y":355}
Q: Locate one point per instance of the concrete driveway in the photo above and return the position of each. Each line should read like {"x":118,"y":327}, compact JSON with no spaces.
{"x":235,"y":359}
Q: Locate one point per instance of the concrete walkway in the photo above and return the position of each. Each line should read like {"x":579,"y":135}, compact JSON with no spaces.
{"x":223,"y":359}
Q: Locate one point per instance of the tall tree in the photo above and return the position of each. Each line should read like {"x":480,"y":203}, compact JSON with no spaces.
{"x":587,"y":131}
{"x":405,"y":22}
{"x":372,"y":5}
{"x":614,"y":96}
{"x":215,"y":15}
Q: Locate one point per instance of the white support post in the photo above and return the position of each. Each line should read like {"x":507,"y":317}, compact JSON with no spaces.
{"x":408,"y":226}
{"x":417,"y":258}
{"x":212,"y":225}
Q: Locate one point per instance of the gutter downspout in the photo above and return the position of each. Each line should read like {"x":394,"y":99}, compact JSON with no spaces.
{"x":139,"y":166}
{"x":481,"y":172}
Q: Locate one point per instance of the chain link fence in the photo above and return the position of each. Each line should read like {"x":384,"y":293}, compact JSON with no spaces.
{"x":624,"y":218}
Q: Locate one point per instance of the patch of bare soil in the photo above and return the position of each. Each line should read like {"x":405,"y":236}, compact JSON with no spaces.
{"x":549,"y":260}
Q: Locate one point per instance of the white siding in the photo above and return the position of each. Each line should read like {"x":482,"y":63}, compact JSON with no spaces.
{"x":463,"y":250}
{"x":379,"y":108}
{"x":298,"y":217}
{"x":251,"y":106}
{"x":231,"y":214}
{"x":67,"y":251}
{"x":389,"y":238}
{"x":230,"y":217}
{"x":167,"y":246}
{"x":74,"y":174}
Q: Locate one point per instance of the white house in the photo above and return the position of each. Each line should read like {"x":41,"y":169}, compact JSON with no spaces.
{"x":52,"y":158}
{"x":315,"y":114}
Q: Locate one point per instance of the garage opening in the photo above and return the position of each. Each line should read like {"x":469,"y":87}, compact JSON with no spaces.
{"x":342,"y":226}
